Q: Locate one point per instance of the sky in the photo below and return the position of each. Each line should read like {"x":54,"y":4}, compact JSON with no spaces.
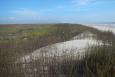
{"x":56,"y":11}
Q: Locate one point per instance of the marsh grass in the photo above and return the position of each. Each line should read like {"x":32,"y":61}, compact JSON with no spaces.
{"x":100,"y":62}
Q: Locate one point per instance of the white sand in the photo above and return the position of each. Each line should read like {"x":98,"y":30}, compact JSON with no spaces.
{"x":76,"y":46}
{"x":103,"y":27}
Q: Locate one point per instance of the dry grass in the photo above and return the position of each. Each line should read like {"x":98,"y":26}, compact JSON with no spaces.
{"x":99,"y":64}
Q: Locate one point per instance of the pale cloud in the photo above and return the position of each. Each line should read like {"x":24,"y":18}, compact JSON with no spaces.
{"x":25,"y":12}
{"x":85,"y":2}
{"x":29,"y":14}
{"x":8,"y":18}
{"x":12,"y":18}
{"x":52,"y":9}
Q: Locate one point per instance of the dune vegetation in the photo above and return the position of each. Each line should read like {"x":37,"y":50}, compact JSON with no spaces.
{"x":19,"y":40}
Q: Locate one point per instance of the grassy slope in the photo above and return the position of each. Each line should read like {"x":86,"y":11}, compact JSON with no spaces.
{"x":37,"y":36}
{"x":99,"y":64}
{"x":102,"y":60}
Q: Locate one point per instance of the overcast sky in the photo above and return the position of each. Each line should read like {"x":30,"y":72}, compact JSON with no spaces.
{"x":57,"y":11}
